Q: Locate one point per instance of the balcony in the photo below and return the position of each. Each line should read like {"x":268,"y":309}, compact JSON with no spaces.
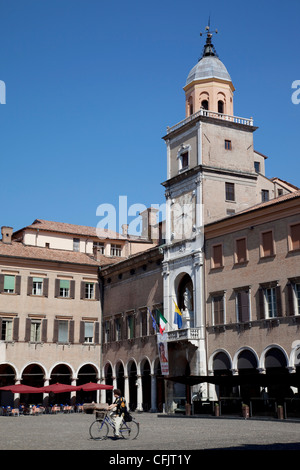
{"x":211,"y":114}
{"x":188,"y":334}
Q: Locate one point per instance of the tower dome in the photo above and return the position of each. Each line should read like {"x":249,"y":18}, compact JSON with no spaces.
{"x":209,"y":84}
{"x":208,"y":67}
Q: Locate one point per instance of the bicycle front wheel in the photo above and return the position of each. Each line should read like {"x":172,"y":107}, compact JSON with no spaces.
{"x":98,"y":430}
{"x":130,"y":430}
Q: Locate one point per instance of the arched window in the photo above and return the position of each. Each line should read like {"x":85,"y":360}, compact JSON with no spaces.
{"x":220,"y":106}
{"x":204,"y":104}
{"x":190,"y":106}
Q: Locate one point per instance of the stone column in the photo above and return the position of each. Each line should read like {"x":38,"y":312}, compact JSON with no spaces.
{"x":139,"y":393}
{"x":153,"y":394}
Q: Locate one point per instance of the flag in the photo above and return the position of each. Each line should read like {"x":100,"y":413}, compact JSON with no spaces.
{"x":154,"y":324}
{"x":162,"y":322}
{"x":178,"y":316}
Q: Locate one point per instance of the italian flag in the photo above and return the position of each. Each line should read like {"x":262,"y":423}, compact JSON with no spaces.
{"x":162,"y":322}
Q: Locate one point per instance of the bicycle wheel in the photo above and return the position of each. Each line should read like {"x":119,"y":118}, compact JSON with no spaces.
{"x":130,"y":430}
{"x":98,"y":430}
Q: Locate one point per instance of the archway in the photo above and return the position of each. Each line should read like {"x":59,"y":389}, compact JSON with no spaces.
{"x":146,"y":385}
{"x":222,"y":366}
{"x":132,"y":379}
{"x":247,"y":365}
{"x":33,"y":375}
{"x":86,"y":373}
{"x":120,"y":377}
{"x":7,"y":377}
{"x":108,"y":381}
{"x":276,"y":364}
{"x":160,"y":386}
{"x":61,"y":373}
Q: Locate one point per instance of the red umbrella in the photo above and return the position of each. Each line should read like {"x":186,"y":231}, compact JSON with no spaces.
{"x":93,"y":386}
{"x":59,"y":388}
{"x":20,"y":388}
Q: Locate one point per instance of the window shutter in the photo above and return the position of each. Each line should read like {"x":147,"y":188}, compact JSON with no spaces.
{"x":18,"y":285}
{"x":81,"y":335}
{"x":1,"y":283}
{"x":243,"y":306}
{"x":16,"y":329}
{"x":278,"y":301}
{"x":295,"y":236}
{"x":96,"y":332}
{"x":55,"y":329}
{"x":261,"y":303}
{"x":44,"y":330}
{"x":45,"y":287}
{"x":29,"y":286}
{"x":267,"y":242}
{"x":71,"y":331}
{"x":27,"y":329}
{"x":97,"y":291}
{"x":82,"y":290}
{"x":217,"y":256}
{"x":290,"y":299}
{"x":241,"y":252}
{"x":72,"y":289}
{"x":56,"y":293}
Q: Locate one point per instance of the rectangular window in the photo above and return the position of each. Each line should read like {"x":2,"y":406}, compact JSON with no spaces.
{"x":35,"y":331}
{"x":270,"y":299}
{"x":63,"y":331}
{"x":228,"y":145}
{"x":130,"y":327}
{"x":99,"y":246}
{"x":144,"y":322}
{"x":64,"y":288}
{"x":7,"y":329}
{"x":264,"y":195}
{"x":184,"y":160}
{"x":107,"y":332}
{"x":243,"y":306}
{"x":267,"y":244}
{"x":9,"y":284}
{"x":88,"y":332}
{"x":218,"y":310}
{"x":297,"y":297}
{"x":241,"y":250}
{"x":257,"y":167}
{"x":89,"y":290}
{"x":229,"y":192}
{"x":37,"y":286}
{"x":76,"y":244}
{"x":118,"y":329}
{"x":294,"y":237}
{"x":115,"y":250}
{"x":217,"y":256}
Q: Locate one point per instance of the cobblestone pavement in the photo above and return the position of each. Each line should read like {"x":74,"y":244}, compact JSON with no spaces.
{"x":71,"y":432}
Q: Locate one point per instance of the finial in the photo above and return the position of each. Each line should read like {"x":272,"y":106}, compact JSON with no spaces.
{"x":209,"y":49}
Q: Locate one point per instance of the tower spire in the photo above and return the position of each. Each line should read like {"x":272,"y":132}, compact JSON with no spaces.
{"x":209,"y":49}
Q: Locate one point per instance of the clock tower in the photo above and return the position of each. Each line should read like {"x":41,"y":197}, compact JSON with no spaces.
{"x":210,"y":173}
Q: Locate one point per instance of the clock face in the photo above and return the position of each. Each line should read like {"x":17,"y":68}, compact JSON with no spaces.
{"x":183,"y":216}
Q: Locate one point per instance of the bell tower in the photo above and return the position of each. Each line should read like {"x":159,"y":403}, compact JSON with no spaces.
{"x":208,"y":85}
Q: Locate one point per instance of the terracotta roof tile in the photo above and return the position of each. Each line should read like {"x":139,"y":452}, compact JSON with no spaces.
{"x":63,"y":227}
{"x":18,"y":250}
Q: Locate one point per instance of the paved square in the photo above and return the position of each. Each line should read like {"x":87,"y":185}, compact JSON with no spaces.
{"x":71,"y":432}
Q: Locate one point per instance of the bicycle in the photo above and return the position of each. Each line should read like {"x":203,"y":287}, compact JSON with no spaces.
{"x":99,"y":429}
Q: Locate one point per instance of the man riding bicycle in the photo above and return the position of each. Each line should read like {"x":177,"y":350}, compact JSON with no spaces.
{"x":120,"y":405}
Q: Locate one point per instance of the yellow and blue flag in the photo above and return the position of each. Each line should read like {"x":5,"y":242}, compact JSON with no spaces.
{"x":178,"y":316}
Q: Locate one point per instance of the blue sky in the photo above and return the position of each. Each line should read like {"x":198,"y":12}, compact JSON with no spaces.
{"x":91,"y":86}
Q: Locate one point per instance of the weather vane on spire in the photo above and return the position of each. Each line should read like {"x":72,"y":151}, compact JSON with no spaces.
{"x":209,"y":49}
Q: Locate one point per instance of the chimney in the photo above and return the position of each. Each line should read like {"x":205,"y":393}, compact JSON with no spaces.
{"x":6,"y":234}
{"x":149,"y":224}
{"x":125,"y":230}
